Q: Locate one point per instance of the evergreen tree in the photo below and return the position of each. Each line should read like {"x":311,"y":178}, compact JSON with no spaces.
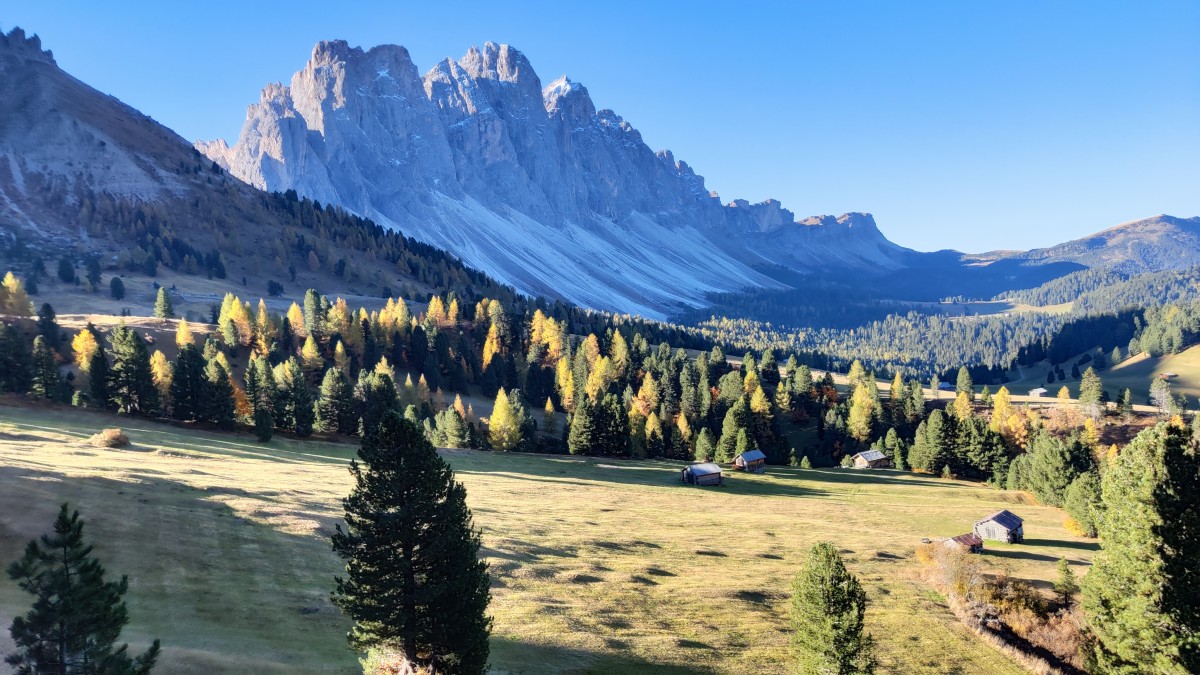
{"x":1091,"y":390}
{"x":613,"y":433}
{"x":47,"y":325}
{"x":965,"y":384}
{"x":77,"y":616}
{"x":451,"y":430}
{"x":313,"y":313}
{"x":131,"y":384}
{"x":1065,"y":586}
{"x":335,"y":411}
{"x":98,"y":392}
{"x":1130,"y":595}
{"x":414,"y":581}
{"x":1054,"y":464}
{"x":217,"y":406}
{"x":116,"y":288}
{"x":264,"y":424}
{"x":827,"y":609}
{"x":47,"y":382}
{"x":16,"y":362}
{"x":376,"y":394}
{"x":299,"y":399}
{"x":736,"y":419}
{"x":187,"y":384}
{"x":1082,"y":502}
{"x":163,"y":307}
{"x":705,"y":448}
{"x":582,"y":437}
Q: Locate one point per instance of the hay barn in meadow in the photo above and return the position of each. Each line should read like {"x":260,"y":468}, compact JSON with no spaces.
{"x":705,"y":473}
{"x":1002,"y":526}
{"x":752,"y":461}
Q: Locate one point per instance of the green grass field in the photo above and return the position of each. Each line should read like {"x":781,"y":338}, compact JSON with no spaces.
{"x":598,"y":565}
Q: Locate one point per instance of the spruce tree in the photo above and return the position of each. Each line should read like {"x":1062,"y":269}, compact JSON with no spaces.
{"x":376,"y":394}
{"x":582,"y":437}
{"x":299,"y":399}
{"x":264,"y":424}
{"x":1090,"y":392}
{"x":705,"y":448}
{"x":187,"y":384}
{"x":16,"y":362}
{"x":47,"y":382}
{"x":217,"y":406}
{"x":163,"y":307}
{"x":965,"y":384}
{"x":828,"y":605}
{"x":98,"y":392}
{"x":335,"y":404}
{"x":77,"y":616}
{"x":1065,"y":586}
{"x":131,"y":384}
{"x":413,"y":579}
{"x":1135,"y":597}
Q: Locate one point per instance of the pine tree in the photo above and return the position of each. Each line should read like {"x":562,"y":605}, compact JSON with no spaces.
{"x":376,"y":394}
{"x":187,"y":383}
{"x":132,"y":383}
{"x":582,"y":437}
{"x":116,"y":288}
{"x":414,"y":581}
{"x":163,"y":308}
{"x":335,"y":404}
{"x":705,"y":448}
{"x":78,"y":616}
{"x":16,"y":362}
{"x":1091,"y":389}
{"x":217,"y":405}
{"x":264,"y":424}
{"x":1065,"y":586}
{"x":1129,"y":595}
{"x":47,"y":382}
{"x":313,"y":313}
{"x":827,"y":609}
{"x":965,"y":384}
{"x":98,"y":376}
{"x":298,"y":399}
{"x":1082,"y":502}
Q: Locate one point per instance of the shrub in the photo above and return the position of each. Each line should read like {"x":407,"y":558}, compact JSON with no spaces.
{"x":109,"y":438}
{"x":806,"y":463}
{"x":847,"y":462}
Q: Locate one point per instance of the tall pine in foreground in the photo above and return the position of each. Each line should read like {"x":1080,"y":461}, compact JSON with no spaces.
{"x":77,"y":616}
{"x":1140,"y":597}
{"x":828,"y":604}
{"x":414,"y":582}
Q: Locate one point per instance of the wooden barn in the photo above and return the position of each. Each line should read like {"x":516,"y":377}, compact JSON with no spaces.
{"x":752,"y":461}
{"x":705,"y":473}
{"x":969,"y":542}
{"x":1002,"y":526}
{"x":872,"y":459}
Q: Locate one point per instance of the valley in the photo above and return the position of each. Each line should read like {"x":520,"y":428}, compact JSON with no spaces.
{"x":222,"y":535}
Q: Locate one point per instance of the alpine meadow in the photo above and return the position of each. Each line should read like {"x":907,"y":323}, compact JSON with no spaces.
{"x":444,"y":369}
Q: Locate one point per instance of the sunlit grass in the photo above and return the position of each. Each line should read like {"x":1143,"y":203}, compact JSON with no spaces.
{"x":599,"y":565}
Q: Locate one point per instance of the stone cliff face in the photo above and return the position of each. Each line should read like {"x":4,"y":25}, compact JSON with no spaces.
{"x":530,"y":183}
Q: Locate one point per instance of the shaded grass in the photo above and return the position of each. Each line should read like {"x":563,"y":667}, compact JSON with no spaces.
{"x":599,"y":566}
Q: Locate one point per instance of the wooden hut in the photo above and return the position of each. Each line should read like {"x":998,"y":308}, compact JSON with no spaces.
{"x":1001,"y":526}
{"x":969,"y":542}
{"x":752,"y":461}
{"x":704,"y":473}
{"x":872,"y":459}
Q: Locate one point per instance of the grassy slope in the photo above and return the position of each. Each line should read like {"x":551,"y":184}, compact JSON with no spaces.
{"x":600,"y":566}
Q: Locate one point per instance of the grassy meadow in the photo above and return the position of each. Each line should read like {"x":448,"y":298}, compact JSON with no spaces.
{"x":598,"y":565}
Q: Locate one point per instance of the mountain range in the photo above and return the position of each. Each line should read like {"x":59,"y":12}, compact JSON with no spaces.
{"x":529,"y":183}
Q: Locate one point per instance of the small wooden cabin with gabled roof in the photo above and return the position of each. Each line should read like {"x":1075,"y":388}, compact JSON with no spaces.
{"x":872,"y":459}
{"x":752,"y":461}
{"x":703,"y":473}
{"x":969,"y":542}
{"x":1002,"y":525}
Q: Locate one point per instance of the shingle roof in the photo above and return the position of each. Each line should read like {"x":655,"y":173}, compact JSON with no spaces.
{"x":872,"y":455}
{"x":704,"y":469}
{"x":969,"y":539}
{"x":1005,"y":518}
{"x":752,"y":455}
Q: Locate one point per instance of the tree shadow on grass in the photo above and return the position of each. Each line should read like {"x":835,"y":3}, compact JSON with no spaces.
{"x":1014,"y":554}
{"x":514,"y":656}
{"x":1060,"y":543}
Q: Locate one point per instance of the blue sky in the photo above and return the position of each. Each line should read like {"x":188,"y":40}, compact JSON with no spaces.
{"x":969,"y":125}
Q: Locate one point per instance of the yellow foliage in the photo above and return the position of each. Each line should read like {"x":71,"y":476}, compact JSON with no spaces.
{"x":295,"y":318}
{"x":13,"y":298}
{"x":84,"y":345}
{"x":160,"y":371}
{"x":183,"y":334}
{"x":491,"y":345}
{"x":1074,"y":527}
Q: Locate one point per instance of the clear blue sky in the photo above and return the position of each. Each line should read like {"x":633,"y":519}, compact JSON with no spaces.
{"x":972,"y":125}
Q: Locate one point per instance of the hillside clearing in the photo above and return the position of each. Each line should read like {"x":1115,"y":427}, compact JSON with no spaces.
{"x":599,"y":565}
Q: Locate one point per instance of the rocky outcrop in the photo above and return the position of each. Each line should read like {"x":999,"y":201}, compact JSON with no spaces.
{"x":529,"y":183}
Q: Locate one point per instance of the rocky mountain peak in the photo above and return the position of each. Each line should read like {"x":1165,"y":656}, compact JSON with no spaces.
{"x":16,"y":43}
